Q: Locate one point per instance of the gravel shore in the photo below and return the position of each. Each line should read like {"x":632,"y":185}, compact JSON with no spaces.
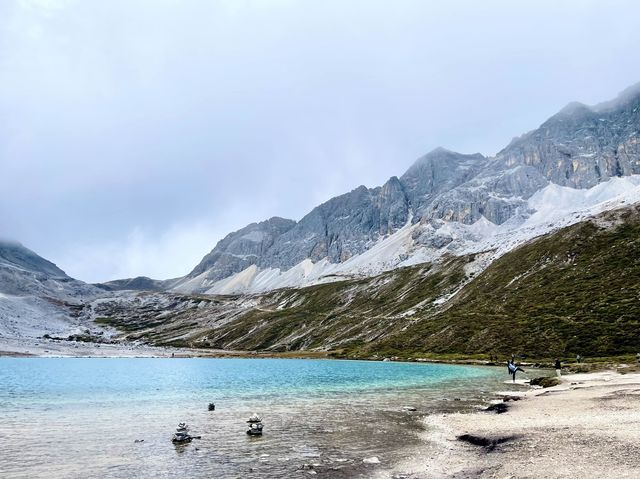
{"x":588,"y":426}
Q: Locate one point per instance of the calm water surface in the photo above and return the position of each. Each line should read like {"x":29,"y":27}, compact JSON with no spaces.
{"x":79,"y":418}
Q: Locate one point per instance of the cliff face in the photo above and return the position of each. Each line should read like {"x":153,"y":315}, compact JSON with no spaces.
{"x":581,"y":146}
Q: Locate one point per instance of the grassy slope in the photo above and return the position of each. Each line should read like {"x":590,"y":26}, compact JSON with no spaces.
{"x":335,"y":315}
{"x":574,"y":291}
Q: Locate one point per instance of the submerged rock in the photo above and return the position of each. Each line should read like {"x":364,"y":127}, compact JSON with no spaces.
{"x":371,"y":460}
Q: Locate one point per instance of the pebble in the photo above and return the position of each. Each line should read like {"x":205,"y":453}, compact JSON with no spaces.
{"x":371,"y":460}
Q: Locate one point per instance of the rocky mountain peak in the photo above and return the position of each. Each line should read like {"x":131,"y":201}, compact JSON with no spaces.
{"x":242,"y":248}
{"x":579,"y":147}
{"x":15,"y":255}
{"x":627,"y":98}
{"x":572,"y":109}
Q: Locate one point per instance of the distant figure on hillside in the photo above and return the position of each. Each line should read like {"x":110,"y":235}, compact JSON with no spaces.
{"x":558,"y":367}
{"x":513,"y":369}
{"x":638,"y":357}
{"x":578,"y":358}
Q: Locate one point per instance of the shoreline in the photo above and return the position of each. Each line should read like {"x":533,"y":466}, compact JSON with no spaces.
{"x":587,"y":426}
{"x":47,"y":347}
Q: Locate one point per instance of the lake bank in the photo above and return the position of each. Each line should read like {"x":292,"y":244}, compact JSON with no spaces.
{"x":47,"y":347}
{"x":588,"y":426}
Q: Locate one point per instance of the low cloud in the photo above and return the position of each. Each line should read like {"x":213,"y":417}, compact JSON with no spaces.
{"x":171,"y":254}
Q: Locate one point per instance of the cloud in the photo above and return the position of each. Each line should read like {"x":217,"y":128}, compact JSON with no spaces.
{"x":134,"y":135}
{"x":172,"y":253}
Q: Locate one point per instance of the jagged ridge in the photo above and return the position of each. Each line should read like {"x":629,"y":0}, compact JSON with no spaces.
{"x":579,"y":147}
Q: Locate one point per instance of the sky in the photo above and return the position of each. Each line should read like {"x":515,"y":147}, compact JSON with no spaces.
{"x":135,"y":134}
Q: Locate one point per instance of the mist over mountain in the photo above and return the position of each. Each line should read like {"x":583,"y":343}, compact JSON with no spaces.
{"x":579,"y":148}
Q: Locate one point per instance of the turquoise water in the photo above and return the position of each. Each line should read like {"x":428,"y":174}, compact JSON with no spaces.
{"x":80,"y":417}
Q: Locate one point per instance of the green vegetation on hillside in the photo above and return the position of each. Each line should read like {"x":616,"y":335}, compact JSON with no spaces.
{"x":576,"y":291}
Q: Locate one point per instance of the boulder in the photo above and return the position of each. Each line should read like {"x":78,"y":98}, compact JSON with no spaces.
{"x":545,"y":382}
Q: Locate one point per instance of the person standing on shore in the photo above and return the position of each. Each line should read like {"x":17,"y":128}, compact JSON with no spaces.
{"x":513,"y":369}
{"x":558,"y":367}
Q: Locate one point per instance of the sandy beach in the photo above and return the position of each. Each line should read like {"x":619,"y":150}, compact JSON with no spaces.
{"x":588,"y":426}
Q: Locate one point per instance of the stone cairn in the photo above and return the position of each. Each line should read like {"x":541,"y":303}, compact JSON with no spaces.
{"x":255,"y":425}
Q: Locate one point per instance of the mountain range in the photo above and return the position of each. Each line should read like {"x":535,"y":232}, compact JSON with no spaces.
{"x":443,"y":224}
{"x":578,"y":148}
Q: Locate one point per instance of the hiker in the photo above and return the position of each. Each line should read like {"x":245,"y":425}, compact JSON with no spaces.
{"x":578,"y":358}
{"x":558,"y":367}
{"x":513,"y":369}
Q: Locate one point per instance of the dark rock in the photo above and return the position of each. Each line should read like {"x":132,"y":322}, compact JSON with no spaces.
{"x":545,"y":382}
{"x":498,"y":408}
{"x":488,"y":443}
{"x":511,"y":398}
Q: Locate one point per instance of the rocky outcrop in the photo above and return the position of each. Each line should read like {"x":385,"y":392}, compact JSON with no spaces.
{"x":242,"y":248}
{"x":437,"y":173}
{"x":342,"y":227}
{"x":581,"y":146}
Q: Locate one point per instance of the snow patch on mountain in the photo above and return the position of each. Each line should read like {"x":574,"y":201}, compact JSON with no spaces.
{"x":551,"y":208}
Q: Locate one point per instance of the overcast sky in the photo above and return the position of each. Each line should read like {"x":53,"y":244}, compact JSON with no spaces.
{"x":136,"y":134}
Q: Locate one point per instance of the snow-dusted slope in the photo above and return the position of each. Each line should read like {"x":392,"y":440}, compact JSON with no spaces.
{"x":37,"y":297}
{"x":549,"y":209}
